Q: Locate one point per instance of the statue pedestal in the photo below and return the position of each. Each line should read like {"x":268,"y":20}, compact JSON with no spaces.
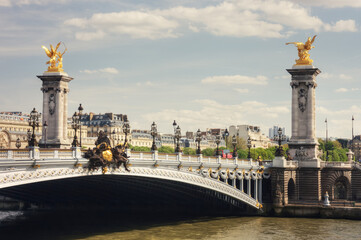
{"x":55,"y":108}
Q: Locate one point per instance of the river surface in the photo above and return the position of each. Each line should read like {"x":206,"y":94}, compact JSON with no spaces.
{"x":95,"y":226}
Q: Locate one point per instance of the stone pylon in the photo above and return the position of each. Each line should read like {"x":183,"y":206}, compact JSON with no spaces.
{"x":303,"y":143}
{"x":55,"y":108}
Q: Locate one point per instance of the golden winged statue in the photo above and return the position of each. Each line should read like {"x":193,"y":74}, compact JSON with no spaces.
{"x":55,"y":58}
{"x":303,"y":48}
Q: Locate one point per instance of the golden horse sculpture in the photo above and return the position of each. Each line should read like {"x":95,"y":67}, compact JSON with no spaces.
{"x":55,"y":58}
{"x":303,"y":48}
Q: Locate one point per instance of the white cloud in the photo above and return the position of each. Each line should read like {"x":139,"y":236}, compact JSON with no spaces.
{"x":242,"y":90}
{"x":342,"y":26}
{"x":347,"y":90}
{"x":222,"y":115}
{"x":235,"y":18}
{"x":103,"y":70}
{"x":235,"y":79}
{"x":8,"y":3}
{"x":341,"y":76}
{"x":331,"y":3}
{"x":5,"y":3}
{"x":135,"y":24}
{"x":147,"y":83}
{"x":344,"y":77}
{"x":341,"y":90}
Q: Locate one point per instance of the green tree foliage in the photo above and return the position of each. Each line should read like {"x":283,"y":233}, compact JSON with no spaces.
{"x":332,"y":151}
{"x":208,"y":152}
{"x":242,"y":153}
{"x":166,"y":149}
{"x":189,"y":151}
{"x":140,"y":149}
{"x":241,"y":143}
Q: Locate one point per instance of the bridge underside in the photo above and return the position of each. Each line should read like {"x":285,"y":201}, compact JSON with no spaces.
{"x":128,"y":193}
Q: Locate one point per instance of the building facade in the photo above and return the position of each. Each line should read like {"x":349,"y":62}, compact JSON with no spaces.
{"x":258,"y":139}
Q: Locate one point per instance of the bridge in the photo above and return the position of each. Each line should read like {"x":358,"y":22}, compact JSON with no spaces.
{"x":49,"y":175}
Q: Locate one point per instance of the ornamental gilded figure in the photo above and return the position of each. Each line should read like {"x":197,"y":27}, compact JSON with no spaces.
{"x":56,"y":57}
{"x":303,"y":48}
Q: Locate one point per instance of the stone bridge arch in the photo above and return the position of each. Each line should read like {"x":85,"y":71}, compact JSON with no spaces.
{"x":338,"y":184}
{"x":15,"y":182}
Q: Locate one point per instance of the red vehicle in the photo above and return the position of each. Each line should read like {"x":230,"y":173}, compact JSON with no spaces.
{"x":226,"y":153}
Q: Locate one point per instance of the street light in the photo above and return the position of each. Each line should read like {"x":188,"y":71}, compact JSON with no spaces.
{"x":218,"y":141}
{"x":45,"y":125}
{"x":75,"y":125}
{"x":234,"y":143}
{"x":18,"y":143}
{"x":28,"y":134}
{"x":174,"y":128}
{"x":80,"y":109}
{"x":249,"y":145}
{"x":153,"y":132}
{"x":280,"y":138}
{"x":177,"y":136}
{"x":126,"y":130}
{"x":199,"y":139}
{"x":33,"y":122}
{"x":226,"y":134}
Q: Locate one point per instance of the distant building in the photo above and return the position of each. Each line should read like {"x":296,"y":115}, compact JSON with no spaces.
{"x":356,"y":147}
{"x":110,"y":123}
{"x":14,"y":125}
{"x":258,"y":139}
{"x":274,"y":132}
{"x":142,"y":138}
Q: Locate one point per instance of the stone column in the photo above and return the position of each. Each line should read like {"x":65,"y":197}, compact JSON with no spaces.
{"x":303,"y":143}
{"x":55,"y":109}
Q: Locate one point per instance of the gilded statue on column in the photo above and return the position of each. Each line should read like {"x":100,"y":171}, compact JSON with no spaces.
{"x":303,"y":48}
{"x":56,"y":58}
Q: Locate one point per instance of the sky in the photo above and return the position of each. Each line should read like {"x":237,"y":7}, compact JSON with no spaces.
{"x":204,"y":63}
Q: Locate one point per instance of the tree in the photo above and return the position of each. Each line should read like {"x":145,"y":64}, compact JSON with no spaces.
{"x":140,"y":149}
{"x":241,"y":143}
{"x":166,"y":149}
{"x":208,"y":152}
{"x":189,"y":151}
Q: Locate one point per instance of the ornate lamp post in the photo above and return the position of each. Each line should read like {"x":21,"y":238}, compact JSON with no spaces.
{"x":153,"y":132}
{"x":80,"y":113}
{"x":199,"y":139}
{"x":177,"y":136}
{"x":249,"y":145}
{"x":174,"y":128}
{"x":226,"y":134}
{"x":45,"y":126}
{"x":234,"y":143}
{"x":33,"y":122}
{"x":75,"y":125}
{"x":28,"y":134}
{"x":18,"y":143}
{"x":218,"y":141}
{"x":126,"y":131}
{"x":280,"y":138}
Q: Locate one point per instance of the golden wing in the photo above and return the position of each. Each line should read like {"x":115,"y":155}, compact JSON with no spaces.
{"x":47,"y":51}
{"x":57,"y":46}
{"x":295,"y":43}
{"x":313,"y":39}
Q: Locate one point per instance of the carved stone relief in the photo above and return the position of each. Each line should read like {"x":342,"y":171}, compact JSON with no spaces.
{"x":4,"y":140}
{"x":302,"y":99}
{"x":52,"y":103}
{"x":301,"y":153}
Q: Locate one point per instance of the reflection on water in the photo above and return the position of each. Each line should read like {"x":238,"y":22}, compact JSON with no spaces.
{"x":109,"y":225}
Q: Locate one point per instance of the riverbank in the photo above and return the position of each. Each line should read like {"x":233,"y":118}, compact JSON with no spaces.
{"x":307,"y":211}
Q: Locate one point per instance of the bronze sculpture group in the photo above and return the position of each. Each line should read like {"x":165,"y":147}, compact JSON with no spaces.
{"x":103,"y":155}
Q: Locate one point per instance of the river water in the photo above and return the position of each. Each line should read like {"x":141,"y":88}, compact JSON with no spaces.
{"x":95,"y":226}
